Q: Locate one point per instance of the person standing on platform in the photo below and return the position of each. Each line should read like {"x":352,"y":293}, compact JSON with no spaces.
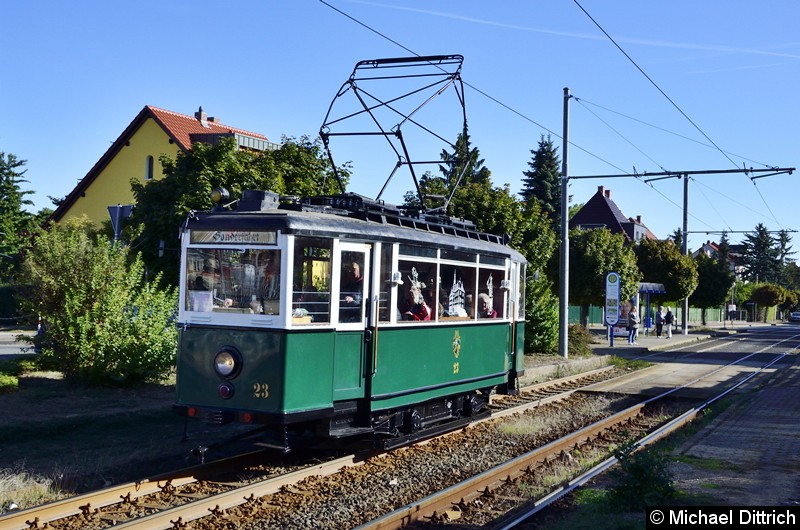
{"x":659,"y":321}
{"x":669,"y":318}
{"x":633,"y":325}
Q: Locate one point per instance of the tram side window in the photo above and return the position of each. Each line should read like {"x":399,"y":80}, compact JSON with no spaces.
{"x":490,"y":297}
{"x":417,"y":294}
{"x":311,"y":280}
{"x":457,"y":292}
{"x":351,"y":287}
{"x":234,"y":281}
{"x":521,"y":285}
{"x":385,"y":286}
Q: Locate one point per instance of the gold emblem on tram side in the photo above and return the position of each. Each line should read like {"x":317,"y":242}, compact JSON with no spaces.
{"x":456,"y":344}
{"x":455,"y":367}
{"x":260,"y":390}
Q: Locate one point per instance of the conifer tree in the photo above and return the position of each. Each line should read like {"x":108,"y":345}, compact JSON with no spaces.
{"x":15,"y":222}
{"x":542,"y":182}
{"x":761,"y":256}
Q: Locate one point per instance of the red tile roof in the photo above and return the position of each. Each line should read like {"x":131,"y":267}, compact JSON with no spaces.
{"x":180,"y":126}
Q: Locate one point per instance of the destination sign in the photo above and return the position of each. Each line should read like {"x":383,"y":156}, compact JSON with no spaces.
{"x":234,"y":237}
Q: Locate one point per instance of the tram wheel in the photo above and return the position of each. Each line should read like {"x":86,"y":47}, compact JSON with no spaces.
{"x":413,"y":422}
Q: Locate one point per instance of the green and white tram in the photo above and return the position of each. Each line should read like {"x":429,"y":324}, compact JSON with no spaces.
{"x":337,"y":317}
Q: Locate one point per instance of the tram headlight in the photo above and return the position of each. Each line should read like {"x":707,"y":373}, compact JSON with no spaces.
{"x":228,"y":363}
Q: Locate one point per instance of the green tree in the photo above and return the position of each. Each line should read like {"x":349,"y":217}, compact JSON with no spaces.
{"x":677,"y":237}
{"x":541,"y":318}
{"x":742,"y":292}
{"x":713,"y":285}
{"x":592,"y":255}
{"x":575,"y":208}
{"x":496,"y":211}
{"x":662,"y":262}
{"x":768,"y":295}
{"x":459,"y":169}
{"x":791,"y":276}
{"x":791,"y":301}
{"x":464,"y":165}
{"x":542,"y":182}
{"x":104,"y":322}
{"x":761,"y":259}
{"x":784,"y":251}
{"x":297,"y":167}
{"x":16,"y":224}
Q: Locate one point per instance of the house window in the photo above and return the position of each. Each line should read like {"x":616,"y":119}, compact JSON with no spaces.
{"x":148,"y":168}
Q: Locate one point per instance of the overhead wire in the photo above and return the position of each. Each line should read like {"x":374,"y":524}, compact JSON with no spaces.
{"x":654,"y":83}
{"x":557,"y":135}
{"x":601,"y":120}
{"x":476,"y":89}
{"x":724,"y":153}
{"x":743,"y":205}
{"x":711,"y":204}
{"x":683,"y":137}
{"x":510,"y":109}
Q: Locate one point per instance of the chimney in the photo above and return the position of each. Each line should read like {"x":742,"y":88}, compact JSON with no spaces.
{"x":638,"y":219}
{"x":601,"y":190}
{"x":608,"y":194}
{"x":200,"y":116}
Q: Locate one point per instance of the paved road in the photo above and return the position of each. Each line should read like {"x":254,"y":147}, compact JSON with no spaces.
{"x":9,"y":347}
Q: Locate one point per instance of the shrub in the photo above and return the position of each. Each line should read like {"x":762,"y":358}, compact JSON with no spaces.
{"x":642,"y":479}
{"x":8,"y":383}
{"x":104,"y":322}
{"x":541,"y":319}
{"x":578,"y":341}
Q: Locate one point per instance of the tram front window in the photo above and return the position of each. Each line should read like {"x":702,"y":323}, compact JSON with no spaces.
{"x":233,"y":280}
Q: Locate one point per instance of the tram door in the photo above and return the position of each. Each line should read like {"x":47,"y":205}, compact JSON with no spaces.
{"x":352,"y":261}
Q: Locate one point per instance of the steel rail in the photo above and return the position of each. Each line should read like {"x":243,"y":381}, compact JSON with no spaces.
{"x":433,"y":506}
{"x":649,"y":439}
{"x":429,"y":507}
{"x":90,"y":503}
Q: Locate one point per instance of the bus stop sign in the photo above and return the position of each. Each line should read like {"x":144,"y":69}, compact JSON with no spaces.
{"x":612,"y":298}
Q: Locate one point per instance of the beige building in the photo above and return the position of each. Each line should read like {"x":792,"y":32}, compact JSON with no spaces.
{"x":134,"y":156}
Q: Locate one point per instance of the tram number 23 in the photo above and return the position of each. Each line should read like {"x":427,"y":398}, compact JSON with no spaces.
{"x":260,"y":390}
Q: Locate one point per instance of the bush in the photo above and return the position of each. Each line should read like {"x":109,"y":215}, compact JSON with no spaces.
{"x":642,"y":479}
{"x":578,"y":341}
{"x":8,"y":383}
{"x":104,"y":322}
{"x":541,"y":319}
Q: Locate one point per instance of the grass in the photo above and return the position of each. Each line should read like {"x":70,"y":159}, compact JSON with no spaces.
{"x":708,"y":464}
{"x":20,"y":488}
{"x":629,"y":364}
{"x":591,"y":507}
{"x":8,"y":383}
{"x":532,"y":424}
{"x":11,"y":369}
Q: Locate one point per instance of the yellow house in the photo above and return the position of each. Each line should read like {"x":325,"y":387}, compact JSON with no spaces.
{"x":134,"y":155}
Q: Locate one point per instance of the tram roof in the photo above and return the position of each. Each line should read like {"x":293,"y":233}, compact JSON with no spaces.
{"x":319,"y":218}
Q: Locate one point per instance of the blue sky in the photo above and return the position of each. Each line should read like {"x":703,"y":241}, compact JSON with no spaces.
{"x":708,"y":85}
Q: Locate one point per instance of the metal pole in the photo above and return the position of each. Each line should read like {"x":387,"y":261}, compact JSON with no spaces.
{"x":563,"y":291}
{"x":685,"y":246}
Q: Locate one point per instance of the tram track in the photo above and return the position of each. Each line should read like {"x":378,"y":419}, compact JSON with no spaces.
{"x":144,"y":499}
{"x":374,"y":487}
{"x":524,"y":512}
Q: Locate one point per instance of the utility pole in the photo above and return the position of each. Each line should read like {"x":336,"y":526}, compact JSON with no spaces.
{"x":563,"y":290}
{"x":685,"y":250}
{"x":663,"y":175}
